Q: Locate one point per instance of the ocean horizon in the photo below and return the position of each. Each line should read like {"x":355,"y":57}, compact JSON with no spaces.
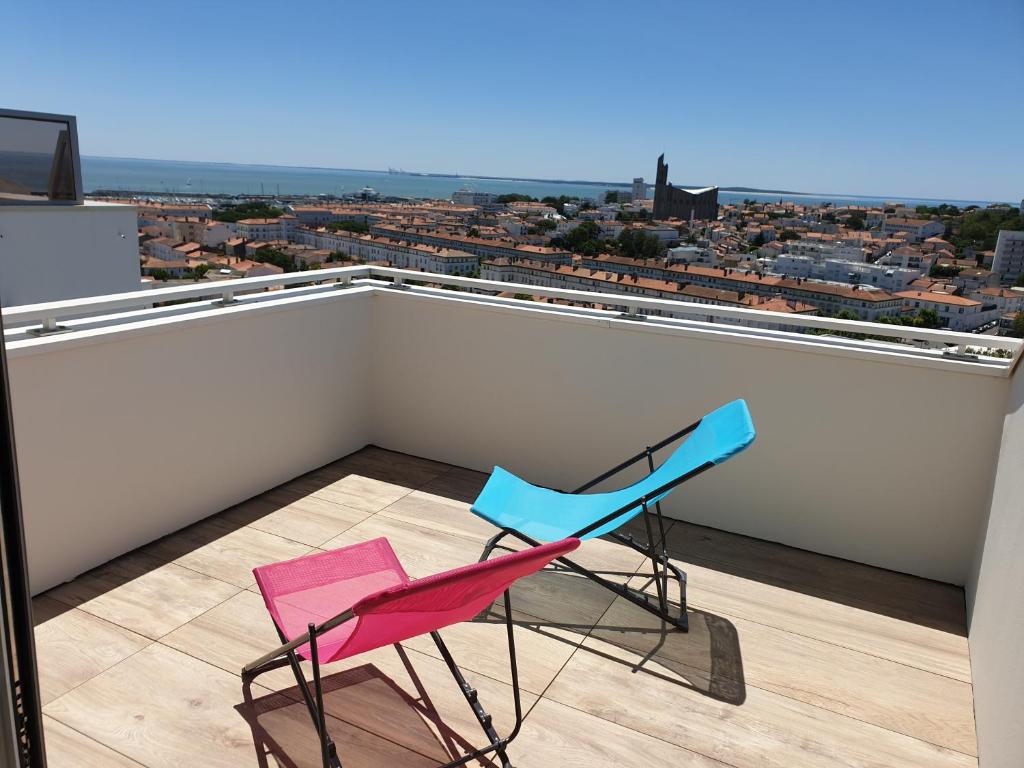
{"x":197,"y":179}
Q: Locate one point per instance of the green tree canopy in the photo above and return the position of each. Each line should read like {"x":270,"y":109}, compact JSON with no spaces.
{"x":515,"y":197}
{"x":250,"y":210}
{"x":349,"y":226}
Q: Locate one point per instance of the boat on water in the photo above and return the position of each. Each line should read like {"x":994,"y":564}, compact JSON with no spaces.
{"x":368,"y":193}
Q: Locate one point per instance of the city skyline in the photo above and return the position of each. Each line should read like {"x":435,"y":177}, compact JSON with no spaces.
{"x":796,"y":97}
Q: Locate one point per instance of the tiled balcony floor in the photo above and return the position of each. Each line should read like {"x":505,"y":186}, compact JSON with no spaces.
{"x":794,"y":659}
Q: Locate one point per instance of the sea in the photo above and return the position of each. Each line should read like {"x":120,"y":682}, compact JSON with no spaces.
{"x":198,"y":179}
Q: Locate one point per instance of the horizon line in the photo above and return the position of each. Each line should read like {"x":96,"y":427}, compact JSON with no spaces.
{"x":435,"y":174}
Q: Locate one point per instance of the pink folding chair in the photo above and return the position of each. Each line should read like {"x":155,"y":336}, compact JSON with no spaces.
{"x":358,"y":598}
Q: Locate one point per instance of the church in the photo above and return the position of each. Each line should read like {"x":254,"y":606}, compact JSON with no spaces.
{"x":677,"y":203}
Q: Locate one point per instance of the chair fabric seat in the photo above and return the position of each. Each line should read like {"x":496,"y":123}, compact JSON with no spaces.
{"x":317,"y":587}
{"x":510,"y":502}
{"x":388,"y":607}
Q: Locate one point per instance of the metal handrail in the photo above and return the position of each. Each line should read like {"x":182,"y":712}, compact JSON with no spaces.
{"x":49,"y":314}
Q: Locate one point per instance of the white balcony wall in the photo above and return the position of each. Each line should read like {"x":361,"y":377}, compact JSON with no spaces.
{"x":995,"y":605}
{"x":127,"y":436}
{"x":884,"y":463}
{"x":128,"y":433}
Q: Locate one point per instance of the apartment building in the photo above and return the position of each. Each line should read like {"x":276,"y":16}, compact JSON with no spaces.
{"x":1005,"y":300}
{"x":281,"y":228}
{"x":398,"y":253}
{"x":957,"y":313}
{"x":466,"y":196}
{"x":916,"y":230}
{"x":864,"y":303}
{"x":820,"y":249}
{"x":480,"y":247}
{"x":1008,"y":261}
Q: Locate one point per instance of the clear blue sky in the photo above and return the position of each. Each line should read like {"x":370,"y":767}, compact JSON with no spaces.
{"x":917,"y":98}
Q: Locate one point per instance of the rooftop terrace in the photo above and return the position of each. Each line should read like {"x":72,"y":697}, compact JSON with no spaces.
{"x":793,"y":658}
{"x":165,"y":451}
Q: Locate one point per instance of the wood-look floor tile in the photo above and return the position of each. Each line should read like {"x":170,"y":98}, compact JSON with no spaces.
{"x":67,"y":747}
{"x":767,"y":730}
{"x":394,"y":467}
{"x":903,"y":699}
{"x":73,"y":646}
{"x":427,"y":511}
{"x":482,"y":646}
{"x":142,"y":594}
{"x":906,"y":642}
{"x":388,"y":692}
{"x":346,"y":486}
{"x":163,"y":709}
{"x":422,"y":551}
{"x":930,"y":603}
{"x":457,"y":485}
{"x":219,"y":549}
{"x":306,"y":519}
{"x":231,"y":635}
{"x":555,"y":734}
{"x":284,"y":730}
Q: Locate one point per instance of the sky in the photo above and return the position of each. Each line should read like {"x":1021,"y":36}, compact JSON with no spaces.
{"x":915,"y":98}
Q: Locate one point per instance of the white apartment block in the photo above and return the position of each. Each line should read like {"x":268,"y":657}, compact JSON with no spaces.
{"x":404,"y":255}
{"x":263,"y":230}
{"x":916,"y":230}
{"x":819,"y":251}
{"x":639,"y":189}
{"x":471,"y":197}
{"x":957,"y":313}
{"x":891,"y":279}
{"x":1005,"y":300}
{"x":1009,"y":259}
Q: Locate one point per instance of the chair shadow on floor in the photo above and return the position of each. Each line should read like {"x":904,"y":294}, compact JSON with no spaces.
{"x":371,"y":719}
{"x":707,"y":659}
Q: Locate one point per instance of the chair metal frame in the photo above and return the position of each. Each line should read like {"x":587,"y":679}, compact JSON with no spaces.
{"x":661,"y":566}
{"x":286,"y":654}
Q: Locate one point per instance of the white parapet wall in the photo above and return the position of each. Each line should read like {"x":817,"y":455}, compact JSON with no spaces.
{"x":879,"y":461}
{"x":995,"y":604}
{"x":52,"y":252}
{"x":127,"y":436}
{"x":128,"y":430}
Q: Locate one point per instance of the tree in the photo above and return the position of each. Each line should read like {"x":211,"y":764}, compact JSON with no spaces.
{"x":198,"y":272}
{"x":515,"y":197}
{"x":584,"y":239}
{"x":1018,"y":325}
{"x":160,"y":274}
{"x":558,"y":203}
{"x":944,"y":270}
{"x":637,"y":244}
{"x":473,"y":232}
{"x":251,"y":210}
{"x":788,"y":234}
{"x":1019,"y":282}
{"x":275,"y":257}
{"x":928,"y":318}
{"x":349,"y":226}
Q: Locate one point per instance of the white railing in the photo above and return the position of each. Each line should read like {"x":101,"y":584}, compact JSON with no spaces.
{"x":45,"y":318}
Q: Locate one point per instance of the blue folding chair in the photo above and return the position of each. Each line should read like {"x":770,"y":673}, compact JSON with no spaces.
{"x":534,"y":514}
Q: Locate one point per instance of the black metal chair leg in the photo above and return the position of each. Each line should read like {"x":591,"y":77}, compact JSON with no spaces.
{"x":491,"y":544}
{"x":497,"y":745}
